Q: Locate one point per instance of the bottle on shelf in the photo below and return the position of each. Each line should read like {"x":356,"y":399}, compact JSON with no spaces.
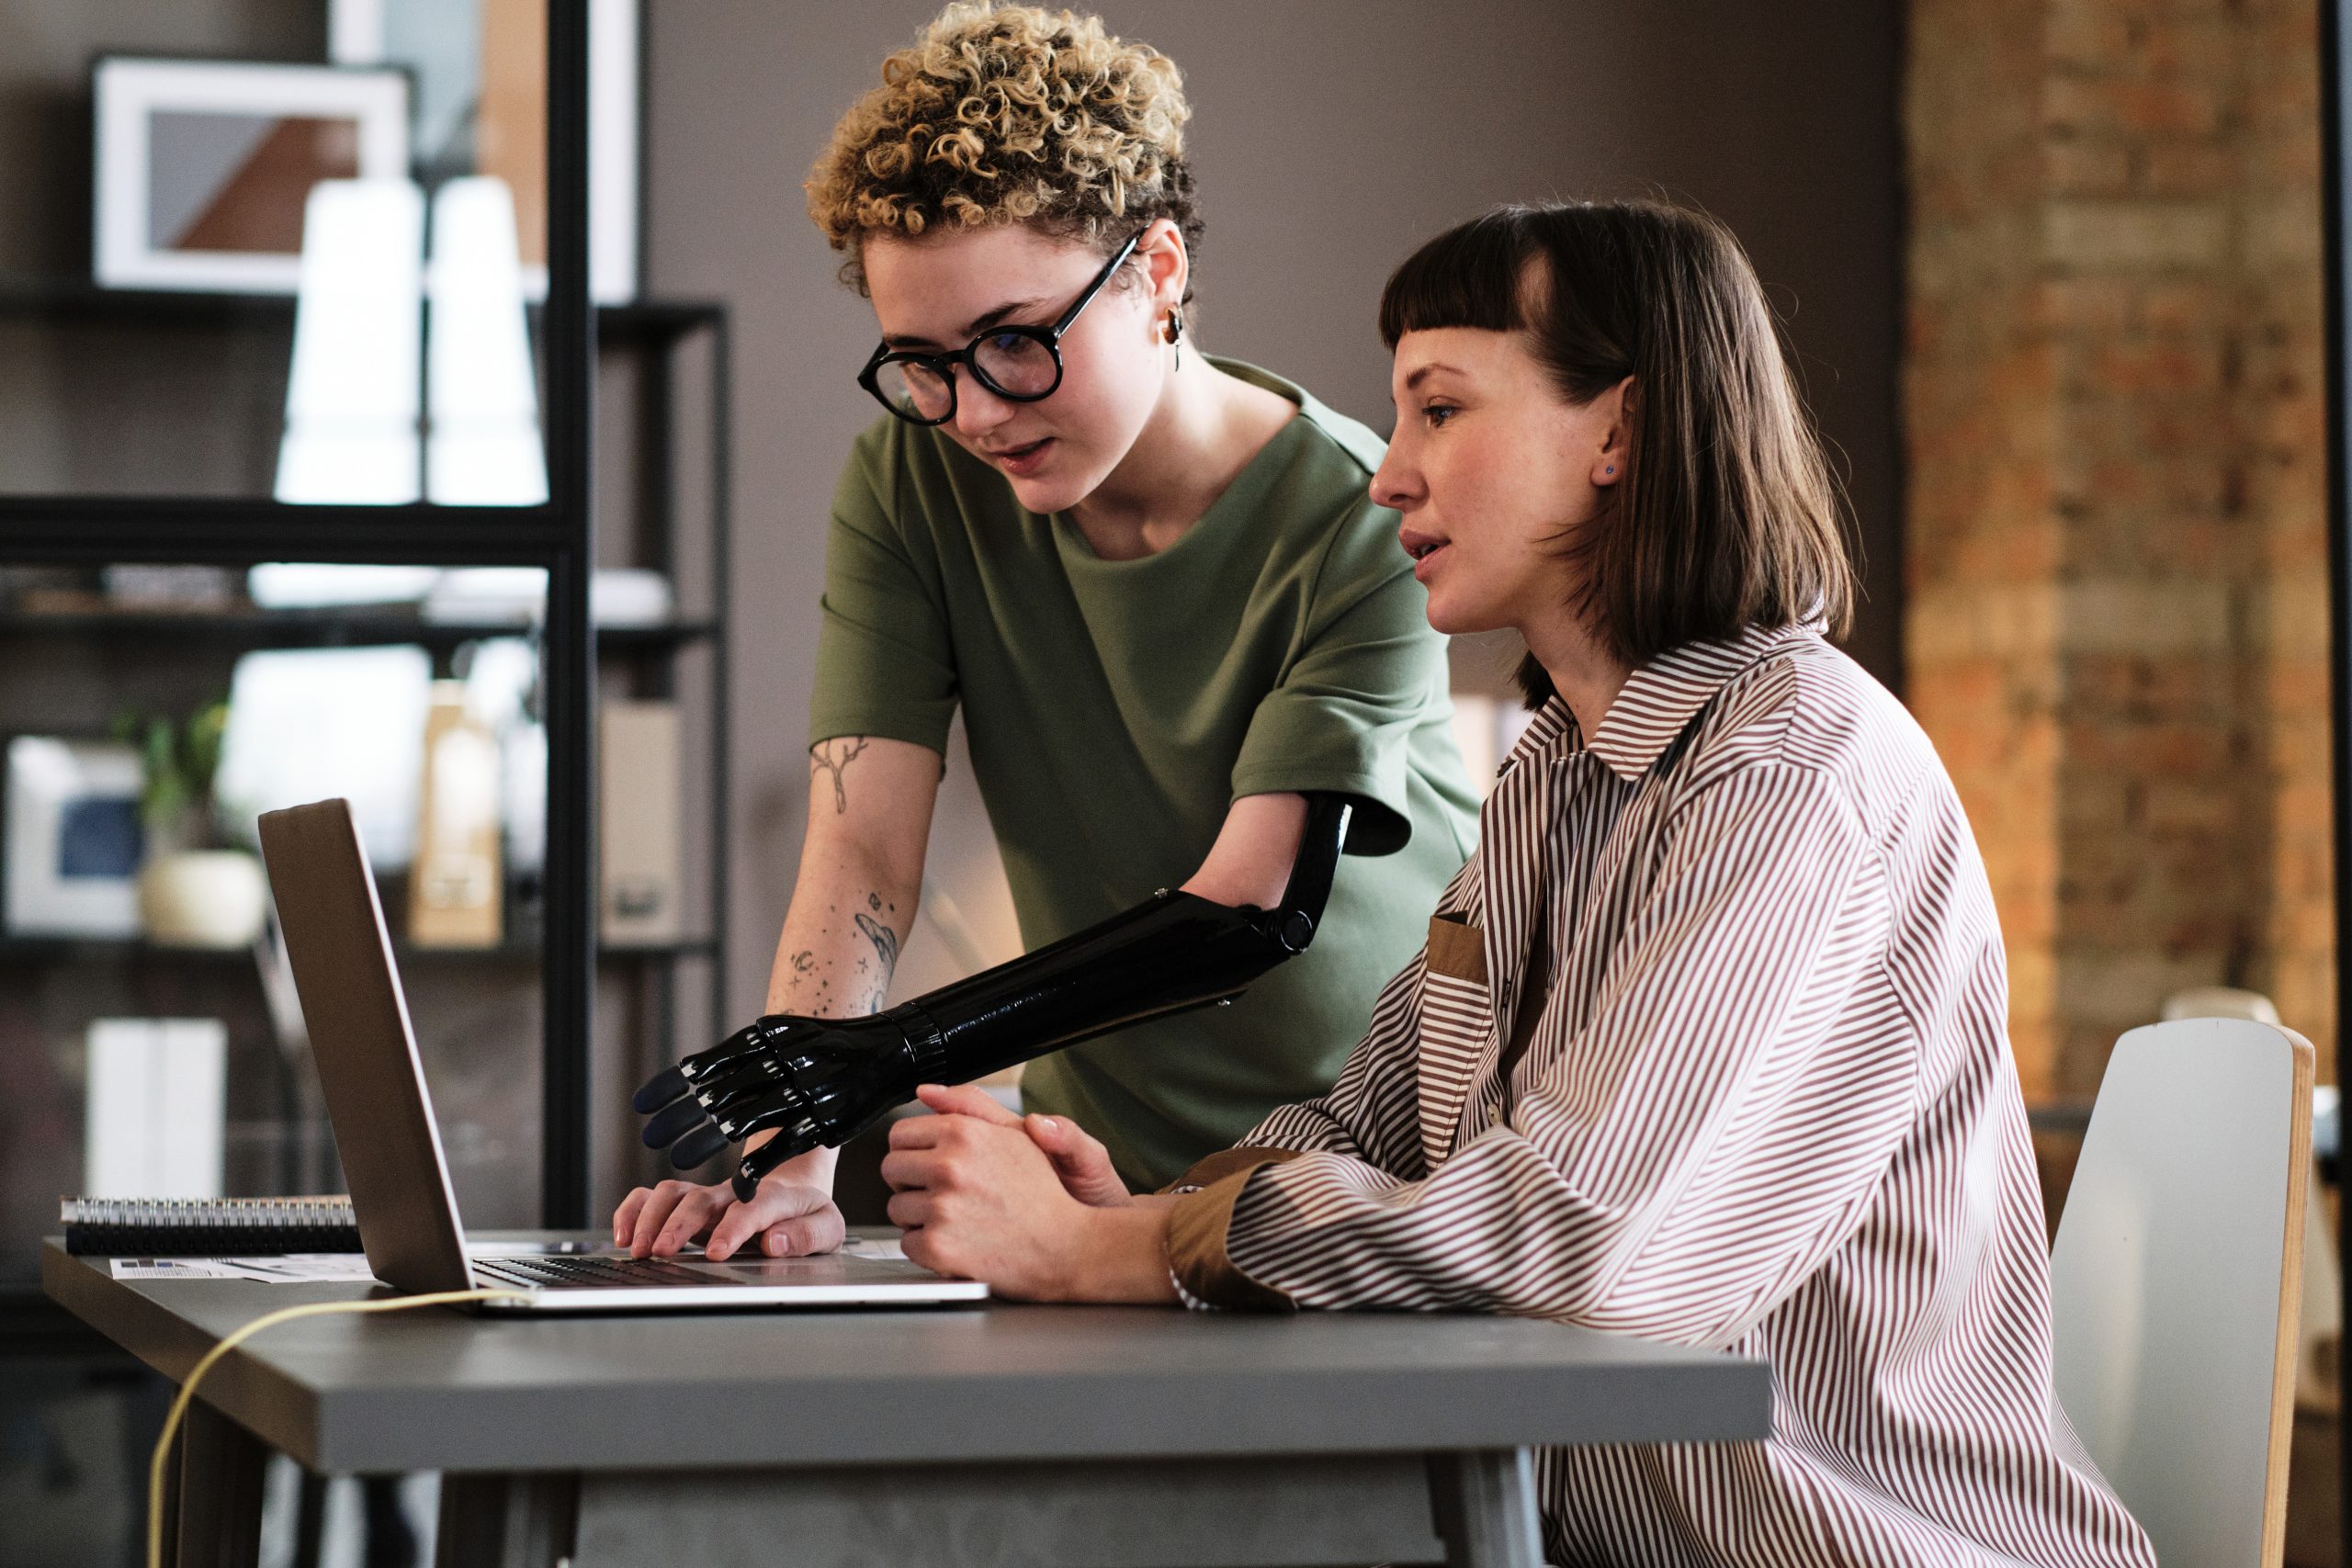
{"x":453,"y":898}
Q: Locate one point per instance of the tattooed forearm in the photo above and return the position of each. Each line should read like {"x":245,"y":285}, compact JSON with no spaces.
{"x":834,"y":757}
{"x":827,"y":966}
{"x":886,"y":954}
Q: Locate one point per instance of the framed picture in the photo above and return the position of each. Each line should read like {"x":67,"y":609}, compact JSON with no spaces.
{"x":203,"y":165}
{"x":480,"y":67}
{"x":74,"y":841}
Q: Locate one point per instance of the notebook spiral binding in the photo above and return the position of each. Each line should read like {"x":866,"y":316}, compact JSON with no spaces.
{"x":201,"y":1227}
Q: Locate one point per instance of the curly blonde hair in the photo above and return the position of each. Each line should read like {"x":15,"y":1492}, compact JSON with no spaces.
{"x":1000,"y":115}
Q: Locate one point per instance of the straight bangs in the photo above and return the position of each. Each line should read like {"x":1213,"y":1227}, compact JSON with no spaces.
{"x":1468,"y":276}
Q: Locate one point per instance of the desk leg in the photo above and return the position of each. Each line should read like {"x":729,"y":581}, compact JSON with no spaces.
{"x":1483,"y":1503}
{"x":506,"y":1521}
{"x":219,"y":1494}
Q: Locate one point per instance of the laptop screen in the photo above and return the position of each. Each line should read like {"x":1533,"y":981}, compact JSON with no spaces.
{"x":366,"y":1051}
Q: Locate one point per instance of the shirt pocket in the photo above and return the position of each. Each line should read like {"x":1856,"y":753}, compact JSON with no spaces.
{"x":1457,"y":1027}
{"x":1458,"y":949}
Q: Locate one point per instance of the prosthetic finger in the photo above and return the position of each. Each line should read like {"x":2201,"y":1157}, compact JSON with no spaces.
{"x":735,"y":1101}
{"x":673,"y":1122}
{"x":758,"y":1162}
{"x":746,"y":1061}
{"x":686,"y":1130}
{"x":785,"y":1108}
{"x":746,"y":1045}
{"x":703,"y":1143}
{"x":661,"y":1089}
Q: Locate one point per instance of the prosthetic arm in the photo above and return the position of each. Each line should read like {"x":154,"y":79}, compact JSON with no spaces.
{"x":823,"y":1080}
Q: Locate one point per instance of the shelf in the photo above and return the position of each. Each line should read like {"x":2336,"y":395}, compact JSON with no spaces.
{"x":232,"y":529}
{"x":310,"y":629}
{"x":242,"y":530}
{"x":82,"y":302}
{"x":24,"y":951}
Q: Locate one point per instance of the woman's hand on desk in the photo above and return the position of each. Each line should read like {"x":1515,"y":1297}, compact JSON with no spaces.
{"x":1078,"y":1155}
{"x":786,"y":1218}
{"x":1030,"y":1205}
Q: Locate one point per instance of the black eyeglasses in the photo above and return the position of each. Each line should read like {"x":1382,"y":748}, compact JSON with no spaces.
{"x":1020,"y":364}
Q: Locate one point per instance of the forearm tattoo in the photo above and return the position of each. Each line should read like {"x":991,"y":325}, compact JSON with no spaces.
{"x":886,"y":954}
{"x":834,"y":758}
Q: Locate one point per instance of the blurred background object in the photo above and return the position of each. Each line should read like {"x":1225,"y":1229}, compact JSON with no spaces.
{"x":203,"y":166}
{"x":353,"y":398}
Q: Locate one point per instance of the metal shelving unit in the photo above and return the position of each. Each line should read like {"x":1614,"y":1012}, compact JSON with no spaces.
{"x":324,"y":628}
{"x":558,"y":536}
{"x":102,"y":528}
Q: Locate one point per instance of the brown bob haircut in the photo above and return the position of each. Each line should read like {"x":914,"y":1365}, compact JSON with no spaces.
{"x":1727,"y":518}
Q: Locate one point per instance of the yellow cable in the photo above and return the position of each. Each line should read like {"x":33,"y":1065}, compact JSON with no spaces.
{"x":235,"y":1338}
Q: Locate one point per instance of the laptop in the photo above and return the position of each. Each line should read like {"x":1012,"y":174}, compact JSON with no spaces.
{"x":367,"y":1062}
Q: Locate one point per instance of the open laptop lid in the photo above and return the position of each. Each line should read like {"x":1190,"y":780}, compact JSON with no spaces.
{"x":366,"y":1051}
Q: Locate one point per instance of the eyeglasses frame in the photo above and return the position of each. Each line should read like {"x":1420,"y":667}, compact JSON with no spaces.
{"x":1049,"y":338}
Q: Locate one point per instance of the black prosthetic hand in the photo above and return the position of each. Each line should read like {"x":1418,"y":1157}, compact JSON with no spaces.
{"x":823,"y":1080}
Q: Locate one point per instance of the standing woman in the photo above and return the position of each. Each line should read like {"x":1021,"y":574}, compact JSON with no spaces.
{"x":1151,"y":578}
{"x":1708,"y":1041}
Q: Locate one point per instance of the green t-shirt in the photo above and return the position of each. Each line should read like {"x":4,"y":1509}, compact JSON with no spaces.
{"x":1115,"y":710}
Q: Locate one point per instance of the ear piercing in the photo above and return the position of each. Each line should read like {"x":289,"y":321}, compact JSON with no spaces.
{"x":1175,"y":333}
{"x":1609,"y":470}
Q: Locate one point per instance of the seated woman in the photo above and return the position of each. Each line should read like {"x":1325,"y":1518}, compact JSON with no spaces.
{"x":1707,"y":1043}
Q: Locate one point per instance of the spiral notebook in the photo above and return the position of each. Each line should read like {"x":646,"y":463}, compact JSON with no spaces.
{"x":207,"y":1227}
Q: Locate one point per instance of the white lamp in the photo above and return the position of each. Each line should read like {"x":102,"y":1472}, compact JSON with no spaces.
{"x":353,"y":395}
{"x":484,"y":448}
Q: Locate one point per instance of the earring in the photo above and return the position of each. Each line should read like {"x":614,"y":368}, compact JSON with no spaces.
{"x":1610,"y":469}
{"x":1175,"y":333}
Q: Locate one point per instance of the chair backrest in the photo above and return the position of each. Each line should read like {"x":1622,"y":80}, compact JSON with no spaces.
{"x":2322,"y":1303}
{"x":2220,"y":1001}
{"x":2174,"y":1284}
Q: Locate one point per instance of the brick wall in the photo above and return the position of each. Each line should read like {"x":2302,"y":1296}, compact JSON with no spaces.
{"x":2117,"y":620}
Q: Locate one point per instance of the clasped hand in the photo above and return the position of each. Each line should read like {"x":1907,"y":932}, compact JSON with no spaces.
{"x":1029,"y":1205}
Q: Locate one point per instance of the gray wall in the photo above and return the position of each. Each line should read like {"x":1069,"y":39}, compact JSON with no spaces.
{"x":1328,"y":138}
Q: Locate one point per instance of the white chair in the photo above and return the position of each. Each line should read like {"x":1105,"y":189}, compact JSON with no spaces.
{"x":2322,"y":1313}
{"x":2174,"y":1284}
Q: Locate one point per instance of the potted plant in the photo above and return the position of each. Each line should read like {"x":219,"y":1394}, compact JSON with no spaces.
{"x":195,"y":890}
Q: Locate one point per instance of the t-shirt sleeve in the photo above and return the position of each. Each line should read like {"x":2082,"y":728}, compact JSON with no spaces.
{"x":1341,"y":719}
{"x":884,"y":664}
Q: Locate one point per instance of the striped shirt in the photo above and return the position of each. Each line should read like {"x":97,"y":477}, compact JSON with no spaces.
{"x":1760,"y":1099}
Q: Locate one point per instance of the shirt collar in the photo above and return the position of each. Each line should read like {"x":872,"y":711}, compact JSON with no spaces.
{"x":1656,"y":704}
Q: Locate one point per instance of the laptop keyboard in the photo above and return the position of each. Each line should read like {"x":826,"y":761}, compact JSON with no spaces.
{"x":589,"y":1273}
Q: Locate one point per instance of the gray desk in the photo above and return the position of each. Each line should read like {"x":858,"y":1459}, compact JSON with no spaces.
{"x":1052,"y":1437}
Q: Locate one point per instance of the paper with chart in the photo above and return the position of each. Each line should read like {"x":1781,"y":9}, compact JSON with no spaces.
{"x":293,"y":1268}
